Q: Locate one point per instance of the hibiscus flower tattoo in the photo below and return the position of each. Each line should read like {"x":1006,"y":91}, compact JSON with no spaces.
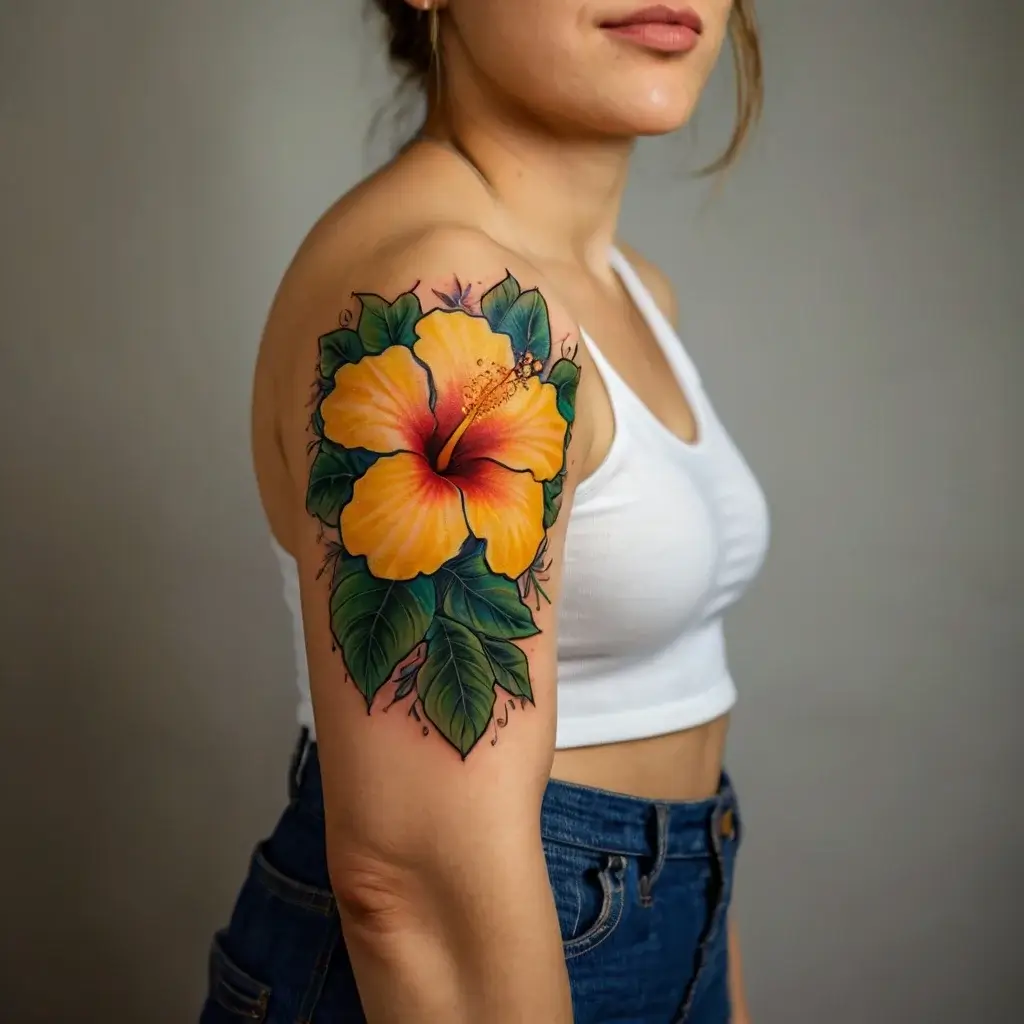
{"x":441,"y":444}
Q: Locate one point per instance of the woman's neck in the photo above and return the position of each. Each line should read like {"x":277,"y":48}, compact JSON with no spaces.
{"x":561,"y":196}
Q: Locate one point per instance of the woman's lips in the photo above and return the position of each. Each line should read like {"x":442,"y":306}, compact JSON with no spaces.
{"x":659,"y":28}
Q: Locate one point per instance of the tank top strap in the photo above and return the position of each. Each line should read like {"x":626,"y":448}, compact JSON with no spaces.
{"x":663,"y":331}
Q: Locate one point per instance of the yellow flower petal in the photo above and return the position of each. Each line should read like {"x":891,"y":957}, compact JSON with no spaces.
{"x":524,"y":431}
{"x":381,"y":403}
{"x":404,"y":518}
{"x":465,"y":358}
{"x":506,"y":510}
{"x":511,"y":420}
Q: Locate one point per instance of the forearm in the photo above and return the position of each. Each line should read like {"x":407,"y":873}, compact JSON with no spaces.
{"x":428,"y":954}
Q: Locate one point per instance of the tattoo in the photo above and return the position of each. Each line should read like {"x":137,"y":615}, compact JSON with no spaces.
{"x":440,"y":446}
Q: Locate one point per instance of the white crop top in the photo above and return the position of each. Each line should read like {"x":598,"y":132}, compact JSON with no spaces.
{"x":661,"y":539}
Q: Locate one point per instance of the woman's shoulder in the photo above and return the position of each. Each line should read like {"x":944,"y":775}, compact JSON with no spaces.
{"x":441,"y":304}
{"x":419,"y":207}
{"x":449,"y":265}
{"x":388,"y":237}
{"x":378,"y":287}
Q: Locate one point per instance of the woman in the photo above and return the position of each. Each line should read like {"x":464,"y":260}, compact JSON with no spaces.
{"x":492,"y":473}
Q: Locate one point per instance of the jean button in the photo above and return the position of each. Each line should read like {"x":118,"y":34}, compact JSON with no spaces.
{"x":727,"y":824}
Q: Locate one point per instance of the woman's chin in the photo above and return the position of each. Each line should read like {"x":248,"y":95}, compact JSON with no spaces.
{"x":652,"y":122}
{"x":653,"y":114}
{"x":659,"y":125}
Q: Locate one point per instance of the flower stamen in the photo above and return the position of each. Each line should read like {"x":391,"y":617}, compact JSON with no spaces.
{"x":483,"y":394}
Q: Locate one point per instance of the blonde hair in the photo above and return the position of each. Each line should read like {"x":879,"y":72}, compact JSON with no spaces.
{"x":747,"y":63}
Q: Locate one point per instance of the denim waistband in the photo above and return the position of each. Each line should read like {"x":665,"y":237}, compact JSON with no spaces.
{"x":637,"y":827}
{"x":586,"y":817}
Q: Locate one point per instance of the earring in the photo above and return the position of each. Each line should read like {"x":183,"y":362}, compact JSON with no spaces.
{"x":435,"y":40}
{"x":435,"y":30}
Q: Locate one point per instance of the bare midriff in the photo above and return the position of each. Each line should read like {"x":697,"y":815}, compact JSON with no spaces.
{"x":683,"y":765}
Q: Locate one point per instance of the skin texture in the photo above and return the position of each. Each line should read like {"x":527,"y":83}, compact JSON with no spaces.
{"x":433,"y":784}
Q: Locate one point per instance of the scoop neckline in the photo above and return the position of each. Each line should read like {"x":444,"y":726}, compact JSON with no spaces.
{"x":658,"y":325}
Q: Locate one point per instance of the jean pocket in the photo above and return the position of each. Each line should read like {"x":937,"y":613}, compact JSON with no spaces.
{"x":233,"y":994}
{"x":271,"y":963}
{"x":589,"y":891}
{"x":288,"y":890}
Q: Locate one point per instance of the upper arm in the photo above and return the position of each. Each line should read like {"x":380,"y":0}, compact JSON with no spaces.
{"x":656,"y":281}
{"x":437,"y":451}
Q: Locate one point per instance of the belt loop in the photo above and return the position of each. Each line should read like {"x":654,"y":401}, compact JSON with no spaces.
{"x":661,"y":849}
{"x":298,"y":764}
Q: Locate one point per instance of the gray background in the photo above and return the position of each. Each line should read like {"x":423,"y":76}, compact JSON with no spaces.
{"x":854,"y":298}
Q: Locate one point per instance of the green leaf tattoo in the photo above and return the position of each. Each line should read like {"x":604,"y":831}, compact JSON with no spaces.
{"x":336,"y":349}
{"x":553,"y":499}
{"x":383,"y":324}
{"x":510,"y":667}
{"x":456,"y":684}
{"x":334,"y":472}
{"x":438,"y":467}
{"x":498,"y":301}
{"x":527,"y":325}
{"x":565,"y":375}
{"x":523,"y":316}
{"x":487,"y":603}
{"x":377,"y":623}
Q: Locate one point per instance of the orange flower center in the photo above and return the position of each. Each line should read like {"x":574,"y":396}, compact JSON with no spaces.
{"x":487,"y":391}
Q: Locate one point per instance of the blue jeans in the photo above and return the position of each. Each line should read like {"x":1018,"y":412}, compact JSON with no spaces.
{"x":642,"y":889}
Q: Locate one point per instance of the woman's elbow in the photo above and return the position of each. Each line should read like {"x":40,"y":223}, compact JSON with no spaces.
{"x":375,"y":896}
